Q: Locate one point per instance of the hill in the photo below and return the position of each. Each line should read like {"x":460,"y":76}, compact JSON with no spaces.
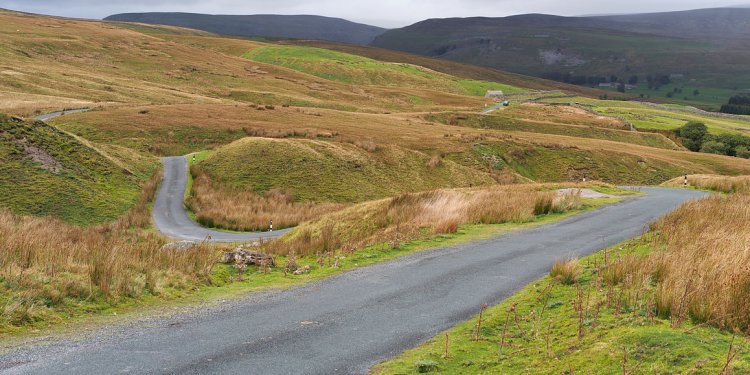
{"x":46,"y":172}
{"x":266,"y":25}
{"x":694,"y":57}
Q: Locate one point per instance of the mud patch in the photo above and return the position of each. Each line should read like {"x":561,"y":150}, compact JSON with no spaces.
{"x":46,"y":161}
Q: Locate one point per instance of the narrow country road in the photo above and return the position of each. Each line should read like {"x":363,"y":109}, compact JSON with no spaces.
{"x":170,"y":215}
{"x":345,"y":324}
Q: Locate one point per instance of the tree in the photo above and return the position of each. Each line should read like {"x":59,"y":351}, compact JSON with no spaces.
{"x":633,"y":80}
{"x":696,"y":92}
{"x":621,"y":87}
{"x":693,"y":134}
{"x":714,"y":147}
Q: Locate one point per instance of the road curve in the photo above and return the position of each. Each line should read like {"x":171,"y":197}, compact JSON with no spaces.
{"x":170,"y":215}
{"x":345,"y":324}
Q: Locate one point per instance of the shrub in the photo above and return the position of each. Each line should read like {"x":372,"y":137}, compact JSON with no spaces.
{"x":424,"y":366}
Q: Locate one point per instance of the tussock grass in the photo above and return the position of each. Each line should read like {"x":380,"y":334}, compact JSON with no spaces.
{"x":245,"y":210}
{"x":701,"y":262}
{"x":724,"y":184}
{"x":413,"y":216}
{"x":567,"y":272}
{"x":49,"y":268}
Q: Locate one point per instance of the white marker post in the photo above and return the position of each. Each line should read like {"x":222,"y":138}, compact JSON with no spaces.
{"x":686,"y":181}
{"x":270,"y":226}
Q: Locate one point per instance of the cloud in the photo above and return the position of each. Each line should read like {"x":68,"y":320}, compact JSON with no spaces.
{"x":388,"y":13}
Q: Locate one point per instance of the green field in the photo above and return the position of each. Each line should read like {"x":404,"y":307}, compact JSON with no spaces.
{"x":357,"y":70}
{"x":652,"y":118}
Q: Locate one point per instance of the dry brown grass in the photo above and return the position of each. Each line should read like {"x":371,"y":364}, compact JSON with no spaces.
{"x":48,"y":267}
{"x":724,"y":184}
{"x":412,"y":216}
{"x":567,"y":272}
{"x":245,"y":210}
{"x":700,"y":263}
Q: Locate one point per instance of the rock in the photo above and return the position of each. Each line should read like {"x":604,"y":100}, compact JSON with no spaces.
{"x":240,"y":255}
{"x":179,"y":246}
{"x":302,"y":270}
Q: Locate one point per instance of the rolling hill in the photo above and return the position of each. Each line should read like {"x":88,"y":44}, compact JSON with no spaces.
{"x":266,"y":25}
{"x":702,"y":53}
{"x":46,"y":172}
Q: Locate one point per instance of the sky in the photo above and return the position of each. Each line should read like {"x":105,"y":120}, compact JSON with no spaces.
{"x":384,"y":13}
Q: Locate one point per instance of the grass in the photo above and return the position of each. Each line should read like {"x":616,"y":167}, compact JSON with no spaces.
{"x":142,"y":276}
{"x":539,"y":329}
{"x":324,"y":171}
{"x":658,"y":118}
{"x":672,"y":301}
{"x":50,"y":271}
{"x":46,"y":172}
{"x":358,"y":70}
{"x":568,"y":121}
{"x":724,"y":184}
{"x":413,"y":216}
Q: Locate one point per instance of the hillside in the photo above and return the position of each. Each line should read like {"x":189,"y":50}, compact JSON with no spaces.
{"x":704,"y":50}
{"x":46,"y":172}
{"x":265,"y":25}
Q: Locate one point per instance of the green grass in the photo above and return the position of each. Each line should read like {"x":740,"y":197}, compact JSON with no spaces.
{"x":651,"y":346}
{"x":320,"y":171}
{"x":500,"y":120}
{"x":88,"y":188}
{"x":357,"y":70}
{"x":650,"y":118}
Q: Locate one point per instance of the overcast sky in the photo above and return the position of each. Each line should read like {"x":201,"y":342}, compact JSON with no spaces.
{"x":386,"y":13}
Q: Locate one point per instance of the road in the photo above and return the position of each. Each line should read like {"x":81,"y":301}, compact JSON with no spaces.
{"x":169,"y":213}
{"x":171,"y":217}
{"x":345,"y":324}
{"x":50,"y":115}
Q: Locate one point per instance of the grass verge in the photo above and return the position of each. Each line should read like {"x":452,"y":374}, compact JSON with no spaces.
{"x":673,"y":301}
{"x":224,"y":282}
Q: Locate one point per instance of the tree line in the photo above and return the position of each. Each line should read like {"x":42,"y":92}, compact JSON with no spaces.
{"x":738,"y":105}
{"x":695,"y":137}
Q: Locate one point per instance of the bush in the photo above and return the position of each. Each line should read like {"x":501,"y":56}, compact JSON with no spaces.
{"x":424,"y":366}
{"x":693,"y":134}
{"x":742,"y":152}
{"x":714,"y":147}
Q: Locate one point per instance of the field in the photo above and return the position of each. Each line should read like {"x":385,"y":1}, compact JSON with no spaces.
{"x":357,"y":70}
{"x":648,"y":117}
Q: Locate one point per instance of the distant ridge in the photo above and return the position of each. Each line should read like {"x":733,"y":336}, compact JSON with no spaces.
{"x":263,"y":25}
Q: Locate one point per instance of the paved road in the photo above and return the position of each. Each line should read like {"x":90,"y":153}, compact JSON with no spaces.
{"x":60,"y":113}
{"x":171,"y":218}
{"x":346,"y":324}
{"x":169,"y":213}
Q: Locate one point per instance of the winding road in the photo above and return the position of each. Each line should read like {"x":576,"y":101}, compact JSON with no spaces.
{"x":345,"y":324}
{"x":171,"y":217}
{"x":169,"y":213}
